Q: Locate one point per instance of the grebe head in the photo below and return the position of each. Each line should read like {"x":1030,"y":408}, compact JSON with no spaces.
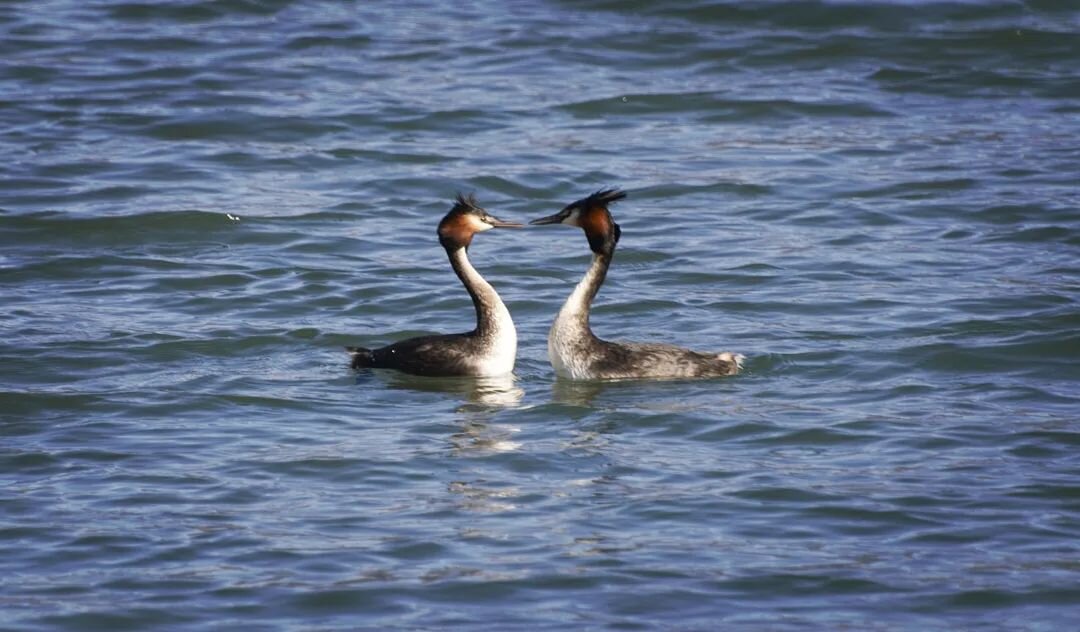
{"x":591,"y":215}
{"x":456,"y":230}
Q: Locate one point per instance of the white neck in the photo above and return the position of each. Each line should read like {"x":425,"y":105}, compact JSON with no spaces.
{"x":494,"y":326}
{"x":570,"y":331}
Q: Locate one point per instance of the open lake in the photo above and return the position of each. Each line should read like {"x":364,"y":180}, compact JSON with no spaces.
{"x":203,"y":202}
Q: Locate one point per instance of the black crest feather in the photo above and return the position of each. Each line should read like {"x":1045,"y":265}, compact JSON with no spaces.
{"x":466,"y":202}
{"x":603,"y":197}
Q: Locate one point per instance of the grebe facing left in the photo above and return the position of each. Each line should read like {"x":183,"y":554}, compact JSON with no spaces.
{"x":487,"y":350}
{"x":576,"y":353}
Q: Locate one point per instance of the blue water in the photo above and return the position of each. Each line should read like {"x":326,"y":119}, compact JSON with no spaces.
{"x":201,"y":203}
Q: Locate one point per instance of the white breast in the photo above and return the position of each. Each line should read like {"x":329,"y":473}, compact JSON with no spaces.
{"x":565,"y":348}
{"x":498,"y":359}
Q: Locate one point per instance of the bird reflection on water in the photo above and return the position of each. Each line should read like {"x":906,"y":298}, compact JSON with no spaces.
{"x":483,"y":392}
{"x":578,"y":393}
{"x":482,"y":398}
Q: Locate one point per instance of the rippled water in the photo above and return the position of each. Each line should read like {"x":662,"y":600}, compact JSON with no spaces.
{"x":202,"y":202}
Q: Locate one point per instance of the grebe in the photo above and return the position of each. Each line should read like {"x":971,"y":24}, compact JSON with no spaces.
{"x":489,"y":349}
{"x":576,"y":353}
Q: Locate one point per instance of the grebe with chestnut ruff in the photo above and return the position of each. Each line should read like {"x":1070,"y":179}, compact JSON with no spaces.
{"x":487,"y":350}
{"x":576,"y":353}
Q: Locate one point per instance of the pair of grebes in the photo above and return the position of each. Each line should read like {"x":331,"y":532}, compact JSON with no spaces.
{"x":575,"y":352}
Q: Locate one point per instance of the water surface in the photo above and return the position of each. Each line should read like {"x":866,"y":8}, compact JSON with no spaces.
{"x":202,"y":203}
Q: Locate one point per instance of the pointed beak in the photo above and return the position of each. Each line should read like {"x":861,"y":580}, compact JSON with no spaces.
{"x":498,"y":223}
{"x":557,"y":218}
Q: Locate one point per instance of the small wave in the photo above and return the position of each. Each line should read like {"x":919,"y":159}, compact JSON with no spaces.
{"x":239,"y":125}
{"x":51,"y":226}
{"x":713,"y":108}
